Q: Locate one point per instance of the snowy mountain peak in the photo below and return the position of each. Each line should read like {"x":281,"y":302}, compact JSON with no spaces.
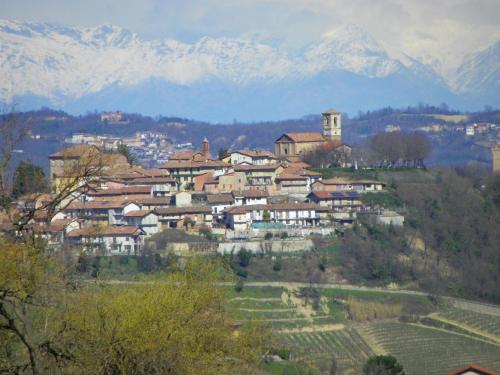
{"x":351,"y":48}
{"x":349,"y":34}
{"x":60,"y":65}
{"x":107,"y":35}
{"x":479,"y":71}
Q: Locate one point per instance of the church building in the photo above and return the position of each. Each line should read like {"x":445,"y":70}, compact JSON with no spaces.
{"x":291,"y":145}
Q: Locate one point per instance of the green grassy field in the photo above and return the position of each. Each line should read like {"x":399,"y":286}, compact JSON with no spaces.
{"x":386,"y":175}
{"x":318,"y":336}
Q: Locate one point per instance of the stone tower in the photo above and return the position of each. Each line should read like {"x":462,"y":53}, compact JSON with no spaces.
{"x":495,"y":153}
{"x":205,"y":148}
{"x":332,"y":126}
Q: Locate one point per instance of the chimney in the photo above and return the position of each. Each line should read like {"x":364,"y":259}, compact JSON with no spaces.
{"x":206,"y":148}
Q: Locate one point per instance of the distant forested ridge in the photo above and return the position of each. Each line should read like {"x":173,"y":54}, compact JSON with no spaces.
{"x":54,"y":126}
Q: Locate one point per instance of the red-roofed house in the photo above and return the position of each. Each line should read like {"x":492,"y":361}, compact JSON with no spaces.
{"x":147,"y":220}
{"x":112,"y":240}
{"x":473,"y":370}
{"x":255,"y":157}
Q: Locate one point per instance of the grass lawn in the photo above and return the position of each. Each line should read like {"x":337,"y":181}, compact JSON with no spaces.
{"x":385,"y":175}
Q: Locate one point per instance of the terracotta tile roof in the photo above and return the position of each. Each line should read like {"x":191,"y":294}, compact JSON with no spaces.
{"x":108,"y":231}
{"x":301,"y":172}
{"x":194,"y":164}
{"x":306,"y":137}
{"x":264,"y":167}
{"x":123,"y":198}
{"x":335,"y":181}
{"x":152,"y":180}
{"x":250,"y":194}
{"x":40,"y":215}
{"x":296,"y":165}
{"x":183,"y":155}
{"x":256,"y":153}
{"x":238,"y":210}
{"x":220,"y":198}
{"x":474,"y":369}
{"x":290,"y":176}
{"x":160,"y":201}
{"x":126,"y":190}
{"x":183,"y":210}
{"x":58,"y":225}
{"x":97,"y":204}
{"x":138,"y":213}
{"x":137,"y":172}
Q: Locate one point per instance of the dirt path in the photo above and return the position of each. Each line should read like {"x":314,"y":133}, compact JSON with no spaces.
{"x":290,"y":309}
{"x":474,"y":306}
{"x":294,"y":285}
{"x":255,"y":299}
{"x":455,"y":333}
{"x":478,"y":307}
{"x":466,"y":327}
{"x":315,"y":328}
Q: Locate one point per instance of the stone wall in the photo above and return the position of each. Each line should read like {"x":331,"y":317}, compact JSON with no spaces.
{"x":275,"y":246}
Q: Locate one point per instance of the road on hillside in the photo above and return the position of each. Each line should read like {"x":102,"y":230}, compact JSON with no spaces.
{"x":458,"y":302}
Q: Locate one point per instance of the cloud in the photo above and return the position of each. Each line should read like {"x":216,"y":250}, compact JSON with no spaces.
{"x":441,"y":29}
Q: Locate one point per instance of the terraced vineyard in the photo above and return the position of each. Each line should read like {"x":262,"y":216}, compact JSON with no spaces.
{"x":315,"y":337}
{"x":486,"y":323}
{"x":346,"y":345}
{"x":424,"y":350}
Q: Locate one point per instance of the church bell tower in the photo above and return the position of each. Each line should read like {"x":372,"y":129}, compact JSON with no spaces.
{"x":332,"y":126}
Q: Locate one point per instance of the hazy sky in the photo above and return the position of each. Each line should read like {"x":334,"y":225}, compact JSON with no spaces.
{"x":442,"y":29}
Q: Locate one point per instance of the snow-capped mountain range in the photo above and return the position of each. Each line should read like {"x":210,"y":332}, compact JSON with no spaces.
{"x":107,"y":67}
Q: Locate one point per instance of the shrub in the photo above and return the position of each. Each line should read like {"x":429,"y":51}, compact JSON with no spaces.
{"x":284,"y":235}
{"x":322,"y":263}
{"x":277,"y":265}
{"x":280,"y":352}
{"x":241,"y":272}
{"x":268,"y":236}
{"x":207,"y":233}
{"x":244,"y":257}
{"x":238,"y":286}
{"x":383,"y":365}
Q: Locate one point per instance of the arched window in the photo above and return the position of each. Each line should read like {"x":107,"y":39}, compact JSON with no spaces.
{"x":335,"y":121}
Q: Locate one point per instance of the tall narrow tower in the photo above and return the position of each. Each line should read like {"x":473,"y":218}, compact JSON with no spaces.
{"x":495,"y":153}
{"x":205,"y":148}
{"x":332,"y":126}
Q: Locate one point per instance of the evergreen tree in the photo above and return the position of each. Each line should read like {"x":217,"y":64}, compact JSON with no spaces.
{"x":125,"y":151}
{"x":29,"y":178}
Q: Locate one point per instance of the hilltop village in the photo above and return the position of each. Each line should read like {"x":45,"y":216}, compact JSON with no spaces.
{"x":113,"y":206}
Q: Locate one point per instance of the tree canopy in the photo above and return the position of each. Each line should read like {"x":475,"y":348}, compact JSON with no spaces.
{"x":29,"y":178}
{"x":175,"y":324}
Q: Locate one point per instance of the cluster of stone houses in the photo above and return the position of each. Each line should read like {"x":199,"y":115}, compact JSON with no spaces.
{"x":247,"y":189}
